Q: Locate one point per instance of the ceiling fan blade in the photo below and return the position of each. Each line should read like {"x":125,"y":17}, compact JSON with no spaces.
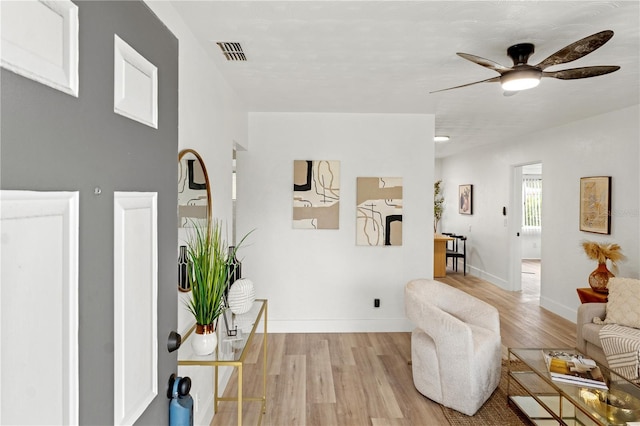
{"x":487,"y":63}
{"x":577,"y":50}
{"x":490,"y":80}
{"x":584,"y":72}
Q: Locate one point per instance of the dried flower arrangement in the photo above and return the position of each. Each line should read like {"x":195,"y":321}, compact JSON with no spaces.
{"x":601,"y":252}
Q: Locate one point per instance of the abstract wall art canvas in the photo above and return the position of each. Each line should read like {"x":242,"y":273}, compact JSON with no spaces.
{"x":379,"y":211}
{"x":316,"y":194}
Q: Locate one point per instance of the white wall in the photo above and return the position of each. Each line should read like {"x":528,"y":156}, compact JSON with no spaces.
{"x":606,"y":145}
{"x":531,"y":246}
{"x":211,"y":120}
{"x":319,"y":280}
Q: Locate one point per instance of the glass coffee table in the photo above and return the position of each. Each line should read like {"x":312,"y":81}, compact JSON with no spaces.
{"x":549,"y":402}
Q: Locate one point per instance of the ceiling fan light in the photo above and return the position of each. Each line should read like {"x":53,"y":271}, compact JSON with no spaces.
{"x":520,"y":80}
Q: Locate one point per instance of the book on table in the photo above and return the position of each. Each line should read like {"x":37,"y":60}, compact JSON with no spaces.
{"x":574,"y":369}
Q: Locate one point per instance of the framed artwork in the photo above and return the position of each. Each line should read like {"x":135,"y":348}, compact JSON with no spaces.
{"x":595,"y":204}
{"x":379,"y":211}
{"x":465,"y":195}
{"x":316,"y":194}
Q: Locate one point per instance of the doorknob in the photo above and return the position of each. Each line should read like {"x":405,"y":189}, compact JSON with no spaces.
{"x":174,"y":341}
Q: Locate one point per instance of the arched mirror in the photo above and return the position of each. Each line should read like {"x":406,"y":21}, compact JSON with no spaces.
{"x":194,"y":193}
{"x":194,"y":204}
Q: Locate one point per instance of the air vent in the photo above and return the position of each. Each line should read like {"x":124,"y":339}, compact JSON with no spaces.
{"x":232,"y":51}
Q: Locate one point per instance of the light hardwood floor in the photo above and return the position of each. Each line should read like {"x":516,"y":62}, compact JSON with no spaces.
{"x":364,"y":378}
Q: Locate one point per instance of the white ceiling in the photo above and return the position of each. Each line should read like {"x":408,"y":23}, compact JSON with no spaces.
{"x":386,"y":56}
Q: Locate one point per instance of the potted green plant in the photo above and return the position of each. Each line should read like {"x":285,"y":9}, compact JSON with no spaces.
{"x":207,"y":253}
{"x":438,"y":205}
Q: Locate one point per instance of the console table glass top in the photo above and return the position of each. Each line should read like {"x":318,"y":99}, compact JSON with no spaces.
{"x":231,"y":351}
{"x":551,"y":402}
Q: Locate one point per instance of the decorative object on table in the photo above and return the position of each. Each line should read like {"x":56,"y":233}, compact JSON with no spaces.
{"x":241,"y":296}
{"x":601,"y":252}
{"x":207,"y":253}
{"x":574,"y":369}
{"x":183,"y":270}
{"x":617,"y":406}
{"x":438,"y":204}
{"x":235,"y":266}
{"x":235,"y":270}
{"x":316,"y":194}
{"x":595,"y":202}
{"x":379,"y":211}
{"x":465,"y":197}
{"x":231,"y":332}
{"x":204,"y":340}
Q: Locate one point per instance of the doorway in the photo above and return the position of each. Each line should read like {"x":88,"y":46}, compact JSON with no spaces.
{"x":526,"y":229}
{"x":530,"y":228}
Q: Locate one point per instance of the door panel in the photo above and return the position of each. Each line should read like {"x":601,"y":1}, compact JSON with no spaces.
{"x":39,"y":308}
{"x":135,"y":315}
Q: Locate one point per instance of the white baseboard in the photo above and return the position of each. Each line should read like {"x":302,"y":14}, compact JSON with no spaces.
{"x":559,"y":309}
{"x":549,"y":304}
{"x":340,"y":326}
{"x":483,"y":275}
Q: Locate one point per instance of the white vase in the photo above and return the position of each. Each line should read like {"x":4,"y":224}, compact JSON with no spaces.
{"x":241,"y":296}
{"x":204,"y":340}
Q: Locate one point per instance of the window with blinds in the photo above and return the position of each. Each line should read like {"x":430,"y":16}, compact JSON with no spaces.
{"x":532,"y":204}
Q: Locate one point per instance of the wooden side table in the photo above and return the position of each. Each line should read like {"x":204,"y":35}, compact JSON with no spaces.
{"x":440,"y":255}
{"x":587,"y":295}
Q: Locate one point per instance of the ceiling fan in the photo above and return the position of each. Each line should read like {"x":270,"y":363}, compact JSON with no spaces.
{"x":522,"y":76}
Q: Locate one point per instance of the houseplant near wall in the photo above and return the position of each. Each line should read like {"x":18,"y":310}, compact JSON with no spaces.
{"x":208,"y":256}
{"x":438,"y":204}
{"x":601,"y":252}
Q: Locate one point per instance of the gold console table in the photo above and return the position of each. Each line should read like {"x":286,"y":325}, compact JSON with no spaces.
{"x":231,"y":352}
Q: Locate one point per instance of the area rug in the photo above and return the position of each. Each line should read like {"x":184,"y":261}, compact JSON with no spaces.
{"x":496,"y":411}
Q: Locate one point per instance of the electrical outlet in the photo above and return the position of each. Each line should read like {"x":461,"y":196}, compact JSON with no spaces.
{"x":376,"y":303}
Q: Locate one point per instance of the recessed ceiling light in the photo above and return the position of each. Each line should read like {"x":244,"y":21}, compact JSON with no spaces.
{"x":441,"y":138}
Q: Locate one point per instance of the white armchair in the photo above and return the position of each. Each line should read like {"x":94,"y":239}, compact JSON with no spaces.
{"x":455,"y":348}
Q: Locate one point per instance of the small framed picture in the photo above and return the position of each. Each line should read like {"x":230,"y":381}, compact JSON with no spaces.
{"x":595,"y":204}
{"x":465,"y":195}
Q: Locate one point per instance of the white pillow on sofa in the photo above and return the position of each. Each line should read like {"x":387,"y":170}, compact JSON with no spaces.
{"x":623,"y":303}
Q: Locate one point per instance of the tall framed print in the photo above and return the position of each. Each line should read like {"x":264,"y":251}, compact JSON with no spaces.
{"x":595,"y":204}
{"x":465,"y":197}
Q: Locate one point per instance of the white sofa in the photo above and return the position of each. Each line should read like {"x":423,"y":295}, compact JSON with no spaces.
{"x":621,"y":339}
{"x":456,"y":346}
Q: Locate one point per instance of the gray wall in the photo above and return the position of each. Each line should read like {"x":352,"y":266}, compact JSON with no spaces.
{"x":53,"y":141}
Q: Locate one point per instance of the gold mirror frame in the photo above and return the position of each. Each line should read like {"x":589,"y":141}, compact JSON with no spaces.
{"x":194,"y":190}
